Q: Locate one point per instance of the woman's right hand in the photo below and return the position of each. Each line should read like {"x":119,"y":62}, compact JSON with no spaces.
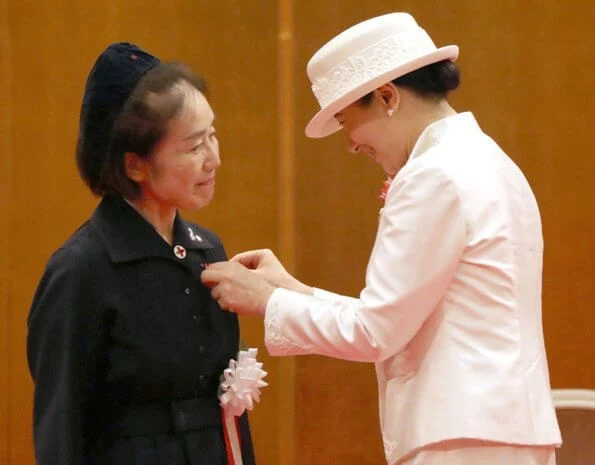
{"x":265,"y":263}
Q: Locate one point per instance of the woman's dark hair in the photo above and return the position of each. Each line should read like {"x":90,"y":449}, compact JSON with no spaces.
{"x":137,"y":126}
{"x":433,"y":81}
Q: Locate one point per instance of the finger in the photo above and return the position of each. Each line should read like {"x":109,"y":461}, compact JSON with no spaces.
{"x":211,"y":277}
{"x":219,"y":293}
{"x":217,"y":265}
{"x":250,"y":259}
{"x":215,"y":293}
{"x":224,"y":303}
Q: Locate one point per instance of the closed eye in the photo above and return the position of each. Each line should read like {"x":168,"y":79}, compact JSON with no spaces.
{"x":212,"y":138}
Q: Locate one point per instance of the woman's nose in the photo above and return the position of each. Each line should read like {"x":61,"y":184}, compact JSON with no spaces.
{"x":213,"y":160}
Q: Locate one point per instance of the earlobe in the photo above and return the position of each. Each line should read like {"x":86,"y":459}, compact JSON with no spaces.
{"x":134,"y":167}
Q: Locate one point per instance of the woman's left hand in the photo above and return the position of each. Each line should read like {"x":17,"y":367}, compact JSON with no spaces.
{"x":237,"y":288}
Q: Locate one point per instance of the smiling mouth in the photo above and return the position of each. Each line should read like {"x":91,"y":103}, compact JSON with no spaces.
{"x":207,"y":183}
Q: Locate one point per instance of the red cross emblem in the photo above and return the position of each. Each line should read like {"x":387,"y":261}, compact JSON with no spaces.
{"x":180,"y":252}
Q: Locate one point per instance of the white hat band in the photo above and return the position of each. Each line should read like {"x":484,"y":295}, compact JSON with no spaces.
{"x":381,"y":57}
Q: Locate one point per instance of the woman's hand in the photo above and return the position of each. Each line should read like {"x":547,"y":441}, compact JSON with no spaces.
{"x":266,"y":264}
{"x":236,"y":288}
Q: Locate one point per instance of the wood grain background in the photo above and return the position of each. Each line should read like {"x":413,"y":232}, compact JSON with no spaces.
{"x":527,"y":75}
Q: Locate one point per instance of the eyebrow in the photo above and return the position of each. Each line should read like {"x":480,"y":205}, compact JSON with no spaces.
{"x":197,"y":134}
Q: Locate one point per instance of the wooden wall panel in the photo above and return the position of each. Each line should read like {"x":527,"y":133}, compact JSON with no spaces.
{"x":526,"y":76}
{"x":5,"y":245}
{"x":287,"y":207}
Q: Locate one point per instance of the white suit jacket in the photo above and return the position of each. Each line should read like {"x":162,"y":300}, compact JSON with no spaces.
{"x":451,"y":309}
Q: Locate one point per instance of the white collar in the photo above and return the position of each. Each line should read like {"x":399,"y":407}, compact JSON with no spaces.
{"x":435,"y":132}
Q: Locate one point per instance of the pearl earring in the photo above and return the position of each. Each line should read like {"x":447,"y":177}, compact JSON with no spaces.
{"x":390,"y":112}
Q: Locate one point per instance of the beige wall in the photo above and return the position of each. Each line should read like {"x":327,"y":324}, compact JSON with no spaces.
{"x":527,"y":75}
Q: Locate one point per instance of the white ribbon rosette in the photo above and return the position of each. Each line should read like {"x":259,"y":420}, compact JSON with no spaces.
{"x":240,"y":388}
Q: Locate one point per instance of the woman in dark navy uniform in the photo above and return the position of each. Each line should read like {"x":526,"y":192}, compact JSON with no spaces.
{"x":125,"y":345}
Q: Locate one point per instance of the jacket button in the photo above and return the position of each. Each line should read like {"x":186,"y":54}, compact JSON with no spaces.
{"x":202,"y":380}
{"x":187,"y":291}
{"x":196,"y":318}
{"x":201,"y":349}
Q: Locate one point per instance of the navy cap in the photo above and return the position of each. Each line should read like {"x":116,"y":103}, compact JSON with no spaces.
{"x":115,"y":73}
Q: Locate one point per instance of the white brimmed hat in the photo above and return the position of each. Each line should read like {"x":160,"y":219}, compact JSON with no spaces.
{"x":364,"y":57}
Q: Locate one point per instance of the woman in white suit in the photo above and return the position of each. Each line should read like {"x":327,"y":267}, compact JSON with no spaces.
{"x":451,"y":308}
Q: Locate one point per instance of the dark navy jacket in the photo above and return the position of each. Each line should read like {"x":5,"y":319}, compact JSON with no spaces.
{"x":126,"y":347}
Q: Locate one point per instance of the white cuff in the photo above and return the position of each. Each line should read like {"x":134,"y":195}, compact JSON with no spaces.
{"x":283,"y":301}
